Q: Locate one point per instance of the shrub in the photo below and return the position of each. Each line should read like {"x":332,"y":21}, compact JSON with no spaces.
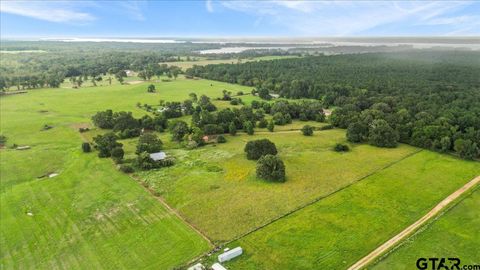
{"x":341,"y":148}
{"x":86,"y":147}
{"x":221,"y":139}
{"x":270,"y":167}
{"x":307,"y":130}
{"x":240,"y":93}
{"x":126,"y":168}
{"x":258,"y":148}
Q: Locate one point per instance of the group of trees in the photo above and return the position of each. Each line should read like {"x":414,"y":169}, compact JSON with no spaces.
{"x":126,"y":125}
{"x":426,"y":99}
{"x":269,"y":166}
{"x":107,"y":146}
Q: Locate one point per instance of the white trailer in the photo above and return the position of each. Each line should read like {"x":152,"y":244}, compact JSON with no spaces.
{"x":226,"y":256}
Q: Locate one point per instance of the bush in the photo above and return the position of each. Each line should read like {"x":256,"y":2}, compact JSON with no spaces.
{"x":86,"y":147}
{"x":307,"y":130}
{"x":221,"y":139}
{"x":258,"y":148}
{"x":126,"y":168}
{"x":341,"y":148}
{"x":270,"y":167}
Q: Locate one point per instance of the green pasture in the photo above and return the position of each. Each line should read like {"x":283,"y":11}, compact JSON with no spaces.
{"x":90,"y":215}
{"x":455,"y":234}
{"x":215,"y":186}
{"x":339,"y":230}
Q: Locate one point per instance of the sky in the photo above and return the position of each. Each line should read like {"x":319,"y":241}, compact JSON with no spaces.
{"x":209,"y":18}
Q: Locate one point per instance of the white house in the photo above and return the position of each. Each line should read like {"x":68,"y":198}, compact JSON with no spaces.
{"x":158,"y":156}
{"x":226,"y":256}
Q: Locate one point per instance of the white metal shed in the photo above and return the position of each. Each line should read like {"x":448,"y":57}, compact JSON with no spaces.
{"x":226,"y":256}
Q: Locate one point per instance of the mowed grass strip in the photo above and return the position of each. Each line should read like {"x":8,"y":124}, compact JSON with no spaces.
{"x":339,"y":230}
{"x":455,"y":234}
{"x":216,"y":189}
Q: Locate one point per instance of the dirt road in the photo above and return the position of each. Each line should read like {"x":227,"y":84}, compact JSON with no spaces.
{"x":410,"y":229}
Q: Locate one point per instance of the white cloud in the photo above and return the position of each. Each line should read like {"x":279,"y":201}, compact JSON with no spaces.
{"x":209,"y":6}
{"x":134,"y":9}
{"x":53,"y":11}
{"x":343,"y":18}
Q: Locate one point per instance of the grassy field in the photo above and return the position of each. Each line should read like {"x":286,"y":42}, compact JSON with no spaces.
{"x":455,"y":234}
{"x":338,"y":230}
{"x":216,"y":188}
{"x":90,"y":215}
{"x":202,"y":61}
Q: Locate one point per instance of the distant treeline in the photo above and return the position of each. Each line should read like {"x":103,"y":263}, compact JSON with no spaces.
{"x":60,"y":60}
{"x":424,"y":98}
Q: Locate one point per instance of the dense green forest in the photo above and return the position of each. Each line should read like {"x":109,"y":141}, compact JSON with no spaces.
{"x":424,"y":98}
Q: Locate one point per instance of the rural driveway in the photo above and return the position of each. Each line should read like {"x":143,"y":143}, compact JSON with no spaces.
{"x":399,"y":237}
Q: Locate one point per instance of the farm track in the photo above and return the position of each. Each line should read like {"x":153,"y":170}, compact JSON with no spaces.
{"x":412,"y":228}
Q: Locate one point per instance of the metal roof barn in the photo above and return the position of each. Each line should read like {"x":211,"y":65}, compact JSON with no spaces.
{"x":226,"y":256}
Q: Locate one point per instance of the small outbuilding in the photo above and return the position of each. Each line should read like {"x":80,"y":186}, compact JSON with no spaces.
{"x":217,"y":266}
{"x":226,"y":256}
{"x":158,"y":156}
